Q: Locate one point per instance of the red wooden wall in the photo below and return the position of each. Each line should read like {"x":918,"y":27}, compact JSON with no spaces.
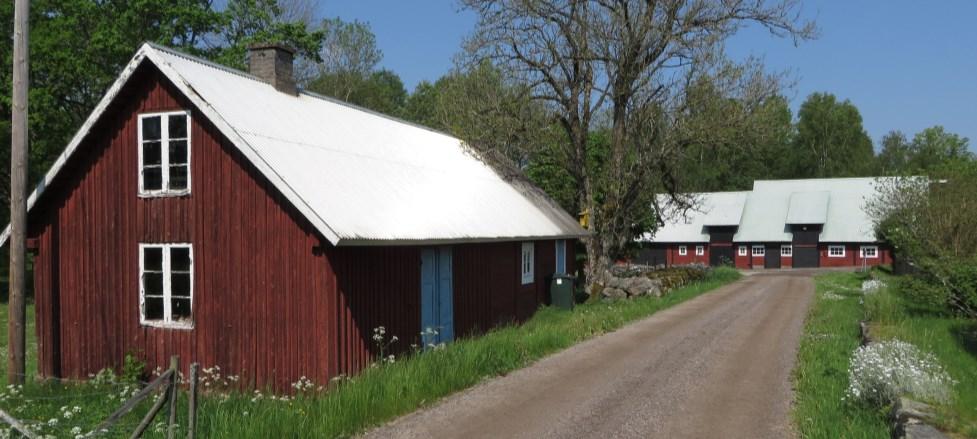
{"x":271,"y":301}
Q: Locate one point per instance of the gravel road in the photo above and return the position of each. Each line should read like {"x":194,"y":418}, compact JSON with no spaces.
{"x":717,"y":366}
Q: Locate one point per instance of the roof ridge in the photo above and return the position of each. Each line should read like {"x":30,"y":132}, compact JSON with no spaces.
{"x":302,"y":91}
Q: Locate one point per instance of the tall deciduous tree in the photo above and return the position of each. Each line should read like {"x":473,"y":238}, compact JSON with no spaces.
{"x":625,"y":65}
{"x":894,"y":156}
{"x":934,"y":147}
{"x":831,"y":141}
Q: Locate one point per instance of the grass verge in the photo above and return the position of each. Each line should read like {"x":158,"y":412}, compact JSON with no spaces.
{"x":953,"y":340}
{"x":831,"y":334}
{"x":385,"y":392}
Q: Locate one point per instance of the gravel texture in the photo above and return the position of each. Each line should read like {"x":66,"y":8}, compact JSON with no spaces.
{"x":715,"y":366}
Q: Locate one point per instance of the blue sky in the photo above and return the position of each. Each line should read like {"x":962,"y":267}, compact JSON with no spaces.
{"x":905,"y":64}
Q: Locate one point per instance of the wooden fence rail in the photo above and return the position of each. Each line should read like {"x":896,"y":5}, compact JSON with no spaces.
{"x":169,"y":379}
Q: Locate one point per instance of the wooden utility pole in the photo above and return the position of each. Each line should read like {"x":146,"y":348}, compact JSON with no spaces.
{"x":18,"y":201}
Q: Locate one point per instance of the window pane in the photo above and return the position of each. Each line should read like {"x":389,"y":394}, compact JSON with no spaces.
{"x":152,"y":179}
{"x":180,"y":284}
{"x":178,"y":177}
{"x":153,"y":283}
{"x":178,"y":152}
{"x":150,"y":128}
{"x":178,"y":126}
{"x":151,"y":154}
{"x":153,"y":308}
{"x":180,"y":259}
{"x":180,"y":309}
{"x":152,"y":259}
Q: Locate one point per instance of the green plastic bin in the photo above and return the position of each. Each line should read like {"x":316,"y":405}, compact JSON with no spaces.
{"x":561,"y":291}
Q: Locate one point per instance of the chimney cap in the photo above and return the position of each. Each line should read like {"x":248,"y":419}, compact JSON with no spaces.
{"x":279,"y":46}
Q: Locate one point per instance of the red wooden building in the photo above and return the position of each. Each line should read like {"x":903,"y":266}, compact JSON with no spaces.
{"x":778,"y":224}
{"x":231,"y":219}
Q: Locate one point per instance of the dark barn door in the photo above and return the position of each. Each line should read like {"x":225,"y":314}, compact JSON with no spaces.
{"x":651,"y":256}
{"x":805,"y":257}
{"x":771,"y":258}
{"x":719,"y":255}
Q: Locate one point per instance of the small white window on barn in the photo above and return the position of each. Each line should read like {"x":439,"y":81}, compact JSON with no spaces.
{"x":683,"y":250}
{"x":836,"y":251}
{"x":164,"y":154}
{"x":870,"y":251}
{"x":742,"y":250}
{"x":759,"y":250}
{"x":786,"y":250}
{"x":527,"y":262}
{"x":166,"y":285}
{"x":700,"y":250}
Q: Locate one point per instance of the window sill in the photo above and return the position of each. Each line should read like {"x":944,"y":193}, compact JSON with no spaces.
{"x":164,"y":325}
{"x":167,"y":194}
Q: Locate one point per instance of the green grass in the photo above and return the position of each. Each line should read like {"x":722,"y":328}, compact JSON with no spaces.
{"x":382,"y":393}
{"x":953,"y":340}
{"x":831,"y":335}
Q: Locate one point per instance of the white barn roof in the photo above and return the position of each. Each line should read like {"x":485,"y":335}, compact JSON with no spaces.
{"x":837,"y":203}
{"x":359,"y":177}
{"x":710,"y":209}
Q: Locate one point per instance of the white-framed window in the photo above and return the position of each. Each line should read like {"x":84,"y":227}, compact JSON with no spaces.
{"x":683,"y":250}
{"x":528,"y":254}
{"x":742,"y":250}
{"x":786,"y":250}
{"x":561,"y":256}
{"x":836,"y":251}
{"x":700,"y":250}
{"x":164,"y":154}
{"x":759,"y":250}
{"x":166,"y":285}
{"x":869,"y":251}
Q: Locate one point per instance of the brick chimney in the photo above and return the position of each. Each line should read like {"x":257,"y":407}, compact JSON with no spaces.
{"x":272,"y":63}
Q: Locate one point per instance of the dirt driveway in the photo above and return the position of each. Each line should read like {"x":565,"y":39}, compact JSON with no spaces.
{"x":717,"y":366}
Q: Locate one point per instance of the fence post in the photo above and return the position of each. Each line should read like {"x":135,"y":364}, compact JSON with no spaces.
{"x":174,"y":389}
{"x":192,"y":422}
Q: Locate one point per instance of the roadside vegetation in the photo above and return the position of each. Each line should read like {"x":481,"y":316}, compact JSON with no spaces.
{"x":924,"y":351}
{"x":348,"y":405}
{"x":831,"y":335}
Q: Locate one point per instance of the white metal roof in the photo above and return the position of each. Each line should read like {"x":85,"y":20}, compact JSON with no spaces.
{"x":710,"y":209}
{"x":767,"y":210}
{"x":359,"y":177}
{"x":808,"y":207}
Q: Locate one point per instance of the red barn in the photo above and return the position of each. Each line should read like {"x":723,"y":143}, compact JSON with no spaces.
{"x":231,"y":219}
{"x":778,"y":224}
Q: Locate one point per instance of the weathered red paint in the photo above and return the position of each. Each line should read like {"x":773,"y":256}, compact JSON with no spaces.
{"x":852,"y":256}
{"x":273,"y":301}
{"x":673,"y":257}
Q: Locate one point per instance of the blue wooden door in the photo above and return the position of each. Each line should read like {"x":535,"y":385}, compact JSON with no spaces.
{"x":437,"y":310}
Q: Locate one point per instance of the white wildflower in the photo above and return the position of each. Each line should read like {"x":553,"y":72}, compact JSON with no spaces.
{"x":881,"y":372}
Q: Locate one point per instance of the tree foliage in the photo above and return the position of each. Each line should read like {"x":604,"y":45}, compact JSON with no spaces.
{"x":930,"y":222}
{"x":831,"y":141}
{"x":626,"y":66}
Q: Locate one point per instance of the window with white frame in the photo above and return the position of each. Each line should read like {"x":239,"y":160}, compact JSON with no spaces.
{"x":527,"y":262}
{"x":164,"y":154}
{"x":742,"y":250}
{"x":166,"y":285}
{"x":836,"y":251}
{"x":759,"y":250}
{"x":683,"y":250}
{"x":870,"y":251}
{"x":786,"y":250}
{"x":700,"y":250}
